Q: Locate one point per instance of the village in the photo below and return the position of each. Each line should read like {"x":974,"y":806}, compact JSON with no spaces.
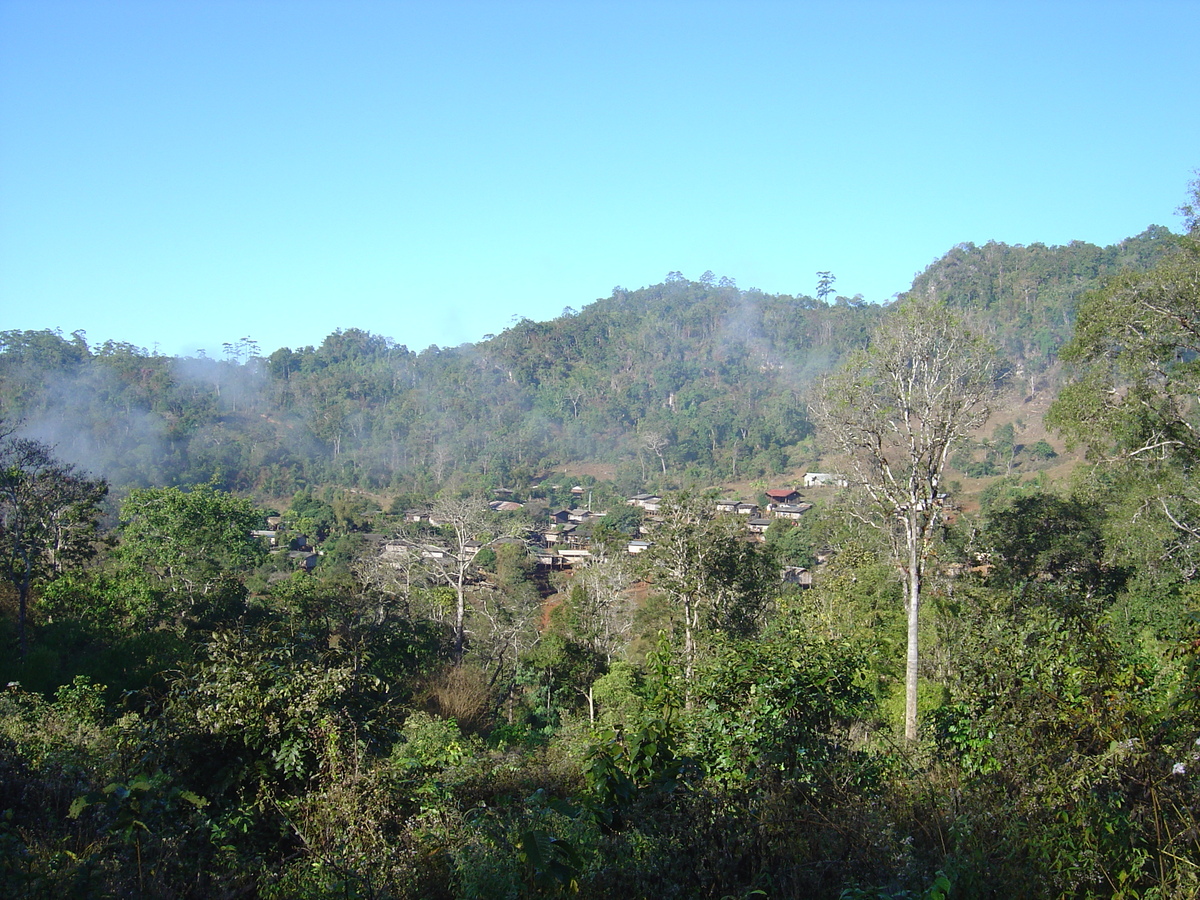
{"x":566,"y":538}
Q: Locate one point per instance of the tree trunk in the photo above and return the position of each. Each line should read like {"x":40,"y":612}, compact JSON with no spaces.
{"x":460,"y":613}
{"x":23,"y":588}
{"x":689,"y":644}
{"x":912,"y":607}
{"x":23,"y":608}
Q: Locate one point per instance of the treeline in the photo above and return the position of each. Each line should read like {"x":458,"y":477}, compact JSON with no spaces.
{"x":715,"y":374}
{"x":682,"y":382}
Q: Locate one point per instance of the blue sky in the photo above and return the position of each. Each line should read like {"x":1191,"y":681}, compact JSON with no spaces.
{"x":183,"y":174}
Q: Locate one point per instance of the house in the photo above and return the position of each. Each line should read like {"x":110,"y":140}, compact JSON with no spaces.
{"x":746,"y":509}
{"x":823,"y":479}
{"x":650,"y":502}
{"x":574,"y":538}
{"x":797,"y":575}
{"x":790,"y":511}
{"x":416,"y":515}
{"x":560,"y":517}
{"x":783,"y":495}
{"x":758,"y":525}
{"x":561,"y":534}
{"x":506,"y":505}
{"x":562,"y":559}
{"x":636,"y":547}
{"x":305,"y":559}
{"x":550,"y":559}
{"x":269,"y":536}
{"x":727,"y":506}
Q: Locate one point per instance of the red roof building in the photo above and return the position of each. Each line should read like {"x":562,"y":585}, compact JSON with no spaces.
{"x":783,"y":495}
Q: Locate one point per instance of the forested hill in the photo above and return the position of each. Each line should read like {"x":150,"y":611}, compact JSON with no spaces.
{"x":1030,"y":291}
{"x":681,"y":381}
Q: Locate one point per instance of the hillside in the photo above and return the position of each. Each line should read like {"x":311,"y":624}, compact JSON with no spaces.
{"x":678,"y":383}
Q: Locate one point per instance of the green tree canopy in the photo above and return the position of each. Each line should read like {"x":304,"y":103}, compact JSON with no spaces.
{"x":48,"y":518}
{"x":1132,"y":400}
{"x":189,"y":541}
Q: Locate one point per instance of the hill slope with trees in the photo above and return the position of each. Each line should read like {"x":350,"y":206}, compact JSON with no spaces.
{"x":696,"y":381}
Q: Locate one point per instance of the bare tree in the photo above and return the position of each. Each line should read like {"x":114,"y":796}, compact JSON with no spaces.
{"x":573,"y":394}
{"x":394,"y":574}
{"x":606,"y":611}
{"x":442,"y":456}
{"x":470,"y":526}
{"x":656,"y":442}
{"x":895,"y":411}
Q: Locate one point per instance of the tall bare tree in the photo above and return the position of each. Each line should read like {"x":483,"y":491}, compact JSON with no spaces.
{"x":471,"y":525}
{"x":895,"y":412}
{"x":605,"y":613}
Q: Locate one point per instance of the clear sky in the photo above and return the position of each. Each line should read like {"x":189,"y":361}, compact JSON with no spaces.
{"x":183,"y":174}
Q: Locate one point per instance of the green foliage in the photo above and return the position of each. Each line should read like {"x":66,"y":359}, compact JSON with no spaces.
{"x":627,"y":766}
{"x":1053,"y":540}
{"x":1052,"y":730}
{"x":794,"y":543}
{"x":430,"y":742}
{"x":56,"y":734}
{"x":619,"y":695}
{"x":48,"y":518}
{"x":1131,"y":401}
{"x":549,"y":862}
{"x":1042,"y":451}
{"x":775,"y":708}
{"x":134,"y":810}
{"x":720,"y":370}
{"x":188,"y":542}
{"x":1032,"y":290}
{"x":261,"y":707}
{"x":638,"y":763}
{"x":106,"y":601}
{"x":720,"y":582}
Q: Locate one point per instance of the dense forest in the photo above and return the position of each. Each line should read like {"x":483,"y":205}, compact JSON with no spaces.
{"x":713,"y":374}
{"x":283,"y":624}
